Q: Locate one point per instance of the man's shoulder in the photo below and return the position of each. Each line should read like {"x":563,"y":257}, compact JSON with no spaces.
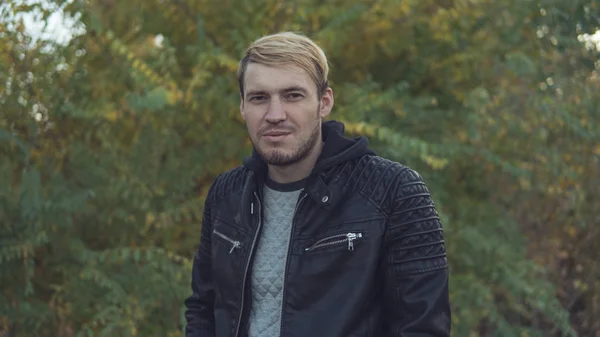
{"x":373,"y":169}
{"x":383,"y":181}
{"x":228,"y":182}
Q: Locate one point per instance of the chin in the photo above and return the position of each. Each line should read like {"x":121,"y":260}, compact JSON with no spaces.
{"x":276,"y":153}
{"x":278,"y":157}
{"x":282,"y":148}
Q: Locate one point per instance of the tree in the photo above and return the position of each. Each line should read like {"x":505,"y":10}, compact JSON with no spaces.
{"x":113,"y":139}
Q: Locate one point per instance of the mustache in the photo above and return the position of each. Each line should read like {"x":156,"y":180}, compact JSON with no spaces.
{"x":278,"y":128}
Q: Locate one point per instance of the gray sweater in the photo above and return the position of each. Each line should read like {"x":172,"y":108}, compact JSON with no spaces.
{"x":270,"y":262}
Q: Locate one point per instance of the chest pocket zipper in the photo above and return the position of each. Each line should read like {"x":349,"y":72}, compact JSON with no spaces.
{"x":234,"y":243}
{"x":332,"y":240}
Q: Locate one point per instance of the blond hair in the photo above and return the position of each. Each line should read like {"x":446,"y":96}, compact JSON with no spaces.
{"x":287,"y":48}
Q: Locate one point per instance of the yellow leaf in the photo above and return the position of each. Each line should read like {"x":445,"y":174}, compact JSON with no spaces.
{"x":111,"y":116}
{"x":579,"y":285}
{"x":525,"y":184}
{"x":553,"y":190}
{"x":172,"y":97}
{"x":435,"y":163}
{"x":150,"y":218}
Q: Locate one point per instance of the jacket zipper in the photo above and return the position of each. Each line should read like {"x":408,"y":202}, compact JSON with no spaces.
{"x":237,"y":332}
{"x":341,"y":238}
{"x":287,"y":261}
{"x":234,"y":243}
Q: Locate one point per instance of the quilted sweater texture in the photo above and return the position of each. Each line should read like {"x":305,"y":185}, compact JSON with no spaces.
{"x":270,"y":262}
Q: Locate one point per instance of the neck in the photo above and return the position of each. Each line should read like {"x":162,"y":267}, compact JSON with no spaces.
{"x":297,"y":171}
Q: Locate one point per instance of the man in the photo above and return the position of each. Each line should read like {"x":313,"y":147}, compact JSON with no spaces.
{"x":314,"y":235}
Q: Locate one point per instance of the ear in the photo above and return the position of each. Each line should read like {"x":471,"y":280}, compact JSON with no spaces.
{"x":326,"y":103}
{"x":242,"y":112}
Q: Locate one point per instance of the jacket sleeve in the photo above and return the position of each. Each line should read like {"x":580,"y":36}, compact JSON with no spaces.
{"x":199,"y":306}
{"x":416,"y":267}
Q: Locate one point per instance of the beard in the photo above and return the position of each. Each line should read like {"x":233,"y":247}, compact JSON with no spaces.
{"x":278,"y":157}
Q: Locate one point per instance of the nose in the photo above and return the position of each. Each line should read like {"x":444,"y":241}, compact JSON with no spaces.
{"x":276,"y":112}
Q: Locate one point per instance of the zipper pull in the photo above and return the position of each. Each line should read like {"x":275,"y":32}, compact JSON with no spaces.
{"x":351,"y":237}
{"x":234,"y":245}
{"x":251,"y":208}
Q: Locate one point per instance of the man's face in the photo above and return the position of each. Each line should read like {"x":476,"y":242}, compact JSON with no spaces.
{"x":283,"y":112}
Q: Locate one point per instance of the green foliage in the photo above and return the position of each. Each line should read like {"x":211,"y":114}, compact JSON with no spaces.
{"x":110,"y":141}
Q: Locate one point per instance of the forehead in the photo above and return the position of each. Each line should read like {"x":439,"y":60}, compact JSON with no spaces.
{"x":274,"y":78}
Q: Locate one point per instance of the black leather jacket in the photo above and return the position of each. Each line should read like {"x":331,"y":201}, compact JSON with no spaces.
{"x":366,"y":258}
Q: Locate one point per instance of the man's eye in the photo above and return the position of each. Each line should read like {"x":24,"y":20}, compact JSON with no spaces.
{"x":295,"y":95}
{"x":257,"y":98}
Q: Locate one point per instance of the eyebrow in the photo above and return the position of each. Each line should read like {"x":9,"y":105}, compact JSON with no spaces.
{"x":285,"y":90}
{"x":295,"y":88}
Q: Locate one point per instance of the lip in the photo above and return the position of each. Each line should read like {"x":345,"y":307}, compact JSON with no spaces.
{"x":275,"y":136}
{"x":276,"y":133}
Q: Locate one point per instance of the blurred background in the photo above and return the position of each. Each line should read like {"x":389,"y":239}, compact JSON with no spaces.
{"x":115,"y":116}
